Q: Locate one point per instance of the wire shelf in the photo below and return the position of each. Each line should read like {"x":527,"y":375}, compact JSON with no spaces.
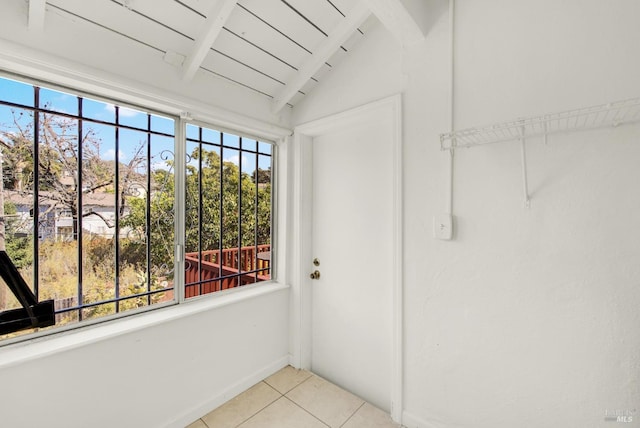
{"x":602,"y":116}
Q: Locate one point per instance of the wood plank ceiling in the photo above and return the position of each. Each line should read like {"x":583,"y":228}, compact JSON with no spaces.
{"x":278,"y":48}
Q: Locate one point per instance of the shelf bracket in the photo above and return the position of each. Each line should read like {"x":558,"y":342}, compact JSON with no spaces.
{"x":525,"y":183}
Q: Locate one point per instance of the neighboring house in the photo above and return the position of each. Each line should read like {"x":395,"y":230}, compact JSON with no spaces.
{"x":56,"y":221}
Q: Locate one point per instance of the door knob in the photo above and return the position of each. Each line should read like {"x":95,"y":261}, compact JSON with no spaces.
{"x":315,"y":275}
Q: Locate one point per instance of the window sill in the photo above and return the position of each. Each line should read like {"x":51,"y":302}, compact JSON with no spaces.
{"x":22,"y":352}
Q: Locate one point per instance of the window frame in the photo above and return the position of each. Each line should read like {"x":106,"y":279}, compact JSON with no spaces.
{"x":273,"y":206}
{"x":145,"y":102}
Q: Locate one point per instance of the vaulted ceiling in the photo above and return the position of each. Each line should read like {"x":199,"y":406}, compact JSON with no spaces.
{"x":279,"y":49}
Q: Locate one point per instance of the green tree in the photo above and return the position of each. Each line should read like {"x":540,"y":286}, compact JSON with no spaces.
{"x":161,"y":222}
{"x":217,"y":209}
{"x":222,"y":199}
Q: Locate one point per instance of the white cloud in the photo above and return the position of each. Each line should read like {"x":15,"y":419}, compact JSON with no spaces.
{"x":123,"y":111}
{"x":111,"y":155}
{"x":236,"y":159}
{"x":160,"y":165}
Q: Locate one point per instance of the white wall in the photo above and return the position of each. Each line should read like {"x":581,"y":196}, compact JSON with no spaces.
{"x":166,"y":375}
{"x":529,"y":317}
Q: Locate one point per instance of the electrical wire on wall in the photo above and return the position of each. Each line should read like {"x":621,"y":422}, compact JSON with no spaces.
{"x":443,"y":223}
{"x":452,"y":5}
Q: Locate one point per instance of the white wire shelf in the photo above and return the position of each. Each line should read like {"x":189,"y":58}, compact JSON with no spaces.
{"x":602,"y":116}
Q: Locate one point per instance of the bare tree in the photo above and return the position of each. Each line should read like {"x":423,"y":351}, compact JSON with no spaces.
{"x":62,"y":154}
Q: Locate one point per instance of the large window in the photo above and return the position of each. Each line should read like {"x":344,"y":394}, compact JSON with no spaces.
{"x":89,"y":205}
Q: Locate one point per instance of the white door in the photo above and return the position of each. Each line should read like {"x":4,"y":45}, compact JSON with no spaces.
{"x":353,"y":240}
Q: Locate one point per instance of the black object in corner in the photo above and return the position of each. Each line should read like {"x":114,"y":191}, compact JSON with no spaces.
{"x":33,"y":313}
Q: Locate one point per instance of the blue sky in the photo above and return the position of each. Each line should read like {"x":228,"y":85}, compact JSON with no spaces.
{"x":130,"y":140}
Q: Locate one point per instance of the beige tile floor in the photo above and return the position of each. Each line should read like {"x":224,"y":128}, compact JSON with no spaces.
{"x":294,"y":398}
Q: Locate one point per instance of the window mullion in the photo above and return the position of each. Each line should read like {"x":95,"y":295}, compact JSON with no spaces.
{"x":220,"y":254}
{"x":148,"y":210}
{"x":180,"y":194}
{"x":78,"y":219}
{"x":255,"y":214}
{"x":117,"y":208}
{"x":36,"y":191}
{"x":240,"y":213}
{"x":200,"y":255}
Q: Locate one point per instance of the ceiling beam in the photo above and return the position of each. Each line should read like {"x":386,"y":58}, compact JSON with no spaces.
{"x":327,"y":48}
{"x":37,"y":9}
{"x":397,"y":19}
{"x":212,"y":27}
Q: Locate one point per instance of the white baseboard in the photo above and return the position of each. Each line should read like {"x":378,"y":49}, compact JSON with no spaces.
{"x":410,"y":420}
{"x":242,"y":385}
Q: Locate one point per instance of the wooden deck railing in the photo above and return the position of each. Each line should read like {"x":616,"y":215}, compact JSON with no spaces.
{"x":227,"y":264}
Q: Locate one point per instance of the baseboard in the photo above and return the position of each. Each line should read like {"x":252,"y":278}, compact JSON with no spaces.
{"x":410,"y":420}
{"x":242,"y":385}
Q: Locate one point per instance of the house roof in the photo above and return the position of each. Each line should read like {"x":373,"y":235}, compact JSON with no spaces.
{"x":97,"y":199}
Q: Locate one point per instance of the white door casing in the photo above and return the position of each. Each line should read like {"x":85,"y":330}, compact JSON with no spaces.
{"x":350,"y":321}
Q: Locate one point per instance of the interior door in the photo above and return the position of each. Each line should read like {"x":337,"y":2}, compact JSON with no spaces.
{"x":352,"y":240}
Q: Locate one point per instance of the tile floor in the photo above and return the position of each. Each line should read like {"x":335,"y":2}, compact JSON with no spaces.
{"x":294,"y":398}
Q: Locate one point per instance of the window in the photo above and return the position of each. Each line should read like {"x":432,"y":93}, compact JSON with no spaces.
{"x":228,"y":211}
{"x":89,"y":190}
{"x":76,"y":162}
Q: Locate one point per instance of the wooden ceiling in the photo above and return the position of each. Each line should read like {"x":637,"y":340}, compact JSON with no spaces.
{"x":280,"y":49}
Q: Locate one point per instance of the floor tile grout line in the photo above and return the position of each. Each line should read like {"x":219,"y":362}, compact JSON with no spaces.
{"x":353,"y":414}
{"x":291,"y":389}
{"x":314,"y":416}
{"x":281,"y":395}
{"x":264,"y":406}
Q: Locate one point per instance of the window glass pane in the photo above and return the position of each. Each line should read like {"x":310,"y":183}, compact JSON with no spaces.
{"x":264,"y":216}
{"x":249,"y":144}
{"x":162,"y":124}
{"x":57,"y":213}
{"x":248,"y":217}
{"x":230,"y":216}
{"x":193,"y":132}
{"x":192,"y":214}
{"x":17,"y":206}
{"x":16,"y":92}
{"x":98,"y":110}
{"x":132,"y":117}
{"x":230,"y":140}
{"x":98,"y":219}
{"x":210,"y":217}
{"x":210,"y":136}
{"x":15,"y":123}
{"x":210,"y":222}
{"x":264,"y":148}
{"x":58,"y":101}
{"x":160,"y":201}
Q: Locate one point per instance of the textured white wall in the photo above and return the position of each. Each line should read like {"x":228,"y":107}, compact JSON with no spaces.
{"x":166,"y":375}
{"x":529,"y":317}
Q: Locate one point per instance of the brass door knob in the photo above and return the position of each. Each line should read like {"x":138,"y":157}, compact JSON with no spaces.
{"x":315,"y":275}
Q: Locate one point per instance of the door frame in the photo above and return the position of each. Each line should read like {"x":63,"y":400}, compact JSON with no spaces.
{"x":301,"y":206}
